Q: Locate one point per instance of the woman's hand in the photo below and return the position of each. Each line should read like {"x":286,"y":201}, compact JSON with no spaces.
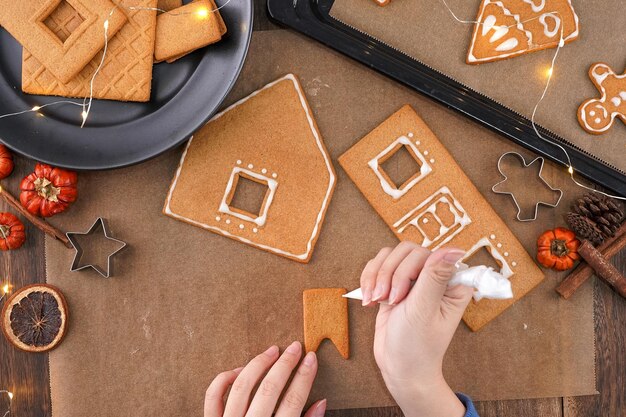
{"x":415,"y":330}
{"x":272,"y":371}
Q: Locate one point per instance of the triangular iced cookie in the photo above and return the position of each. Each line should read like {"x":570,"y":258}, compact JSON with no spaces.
{"x":509,"y":28}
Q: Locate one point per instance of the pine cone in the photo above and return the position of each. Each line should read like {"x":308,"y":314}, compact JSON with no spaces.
{"x":584,"y":228}
{"x":604,"y":211}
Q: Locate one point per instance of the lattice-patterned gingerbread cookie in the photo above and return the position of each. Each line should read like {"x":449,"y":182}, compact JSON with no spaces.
{"x":437,"y":205}
{"x":508,"y":28}
{"x":596,"y":115}
{"x":64,"y":53}
{"x":126,"y":74}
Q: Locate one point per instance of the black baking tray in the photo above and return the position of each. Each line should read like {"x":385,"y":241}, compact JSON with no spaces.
{"x":312,"y":18}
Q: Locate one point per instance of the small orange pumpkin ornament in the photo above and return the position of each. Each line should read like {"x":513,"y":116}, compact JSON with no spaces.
{"x":6,"y":162}
{"x":558,"y":249}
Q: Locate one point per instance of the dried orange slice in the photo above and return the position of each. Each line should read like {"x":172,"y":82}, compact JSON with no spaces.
{"x":34,"y":319}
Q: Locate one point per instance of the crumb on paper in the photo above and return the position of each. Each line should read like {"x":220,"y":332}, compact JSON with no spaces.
{"x":189,"y":331}
{"x":525,"y":326}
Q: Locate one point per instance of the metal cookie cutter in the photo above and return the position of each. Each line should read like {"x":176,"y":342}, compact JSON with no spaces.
{"x":99,"y":226}
{"x":519,"y":209}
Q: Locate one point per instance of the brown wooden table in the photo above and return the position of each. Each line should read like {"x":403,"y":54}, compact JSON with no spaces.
{"x":27,"y":375}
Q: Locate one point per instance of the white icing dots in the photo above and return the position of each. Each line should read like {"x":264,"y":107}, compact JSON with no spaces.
{"x":506,"y":254}
{"x":250,"y":166}
{"x":227,"y":221}
{"x":274,"y":175}
{"x":499,"y":245}
{"x":432,"y":161}
{"x":425,"y":221}
{"x":255,"y":230}
{"x":264,"y":171}
{"x":492,"y":237}
{"x":218,"y":218}
{"x":241,"y":226}
{"x":513,"y":263}
{"x":238,"y":161}
{"x":598,"y":120}
{"x":425,"y":152}
{"x":592,"y":113}
{"x":418,"y":143}
{"x":410,"y":134}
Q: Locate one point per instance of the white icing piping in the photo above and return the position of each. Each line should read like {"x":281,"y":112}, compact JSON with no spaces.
{"x":557,"y":24}
{"x":320,"y":145}
{"x":505,"y":269}
{"x":389,"y":189}
{"x":443,"y":195}
{"x":519,"y":25}
{"x":536,"y":8}
{"x":271,"y":184}
{"x":598,"y":103}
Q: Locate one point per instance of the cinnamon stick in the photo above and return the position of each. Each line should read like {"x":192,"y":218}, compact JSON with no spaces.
{"x":39,"y":223}
{"x":603,"y":268}
{"x":583,"y":271}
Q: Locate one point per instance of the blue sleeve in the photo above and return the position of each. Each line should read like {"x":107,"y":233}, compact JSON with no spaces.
{"x":469,"y":405}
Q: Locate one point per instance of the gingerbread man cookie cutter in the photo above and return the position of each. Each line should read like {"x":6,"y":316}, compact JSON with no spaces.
{"x":526,"y":165}
{"x":597,"y":115}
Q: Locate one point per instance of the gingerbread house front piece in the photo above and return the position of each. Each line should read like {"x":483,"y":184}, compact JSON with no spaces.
{"x":259,"y":173}
{"x":437,"y":205}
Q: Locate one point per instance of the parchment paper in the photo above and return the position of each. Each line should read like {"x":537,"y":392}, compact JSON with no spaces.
{"x":425,"y":30}
{"x":184,"y":304}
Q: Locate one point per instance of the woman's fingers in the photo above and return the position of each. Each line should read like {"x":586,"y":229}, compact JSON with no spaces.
{"x":407,"y":271}
{"x":368,"y":276}
{"x":388,"y":268}
{"x":239,"y":396}
{"x":214,"y":398}
{"x":318,"y":409}
{"x":266,"y":397}
{"x":295,"y":398}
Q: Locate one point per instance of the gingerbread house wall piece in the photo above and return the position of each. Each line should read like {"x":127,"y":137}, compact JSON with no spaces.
{"x":442,"y":208}
{"x":271,"y":139}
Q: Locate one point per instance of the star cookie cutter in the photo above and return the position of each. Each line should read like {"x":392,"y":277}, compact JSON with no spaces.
{"x":99,"y":225}
{"x":519,"y":208}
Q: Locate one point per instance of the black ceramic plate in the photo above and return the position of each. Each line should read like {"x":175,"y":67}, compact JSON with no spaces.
{"x":184,"y":95}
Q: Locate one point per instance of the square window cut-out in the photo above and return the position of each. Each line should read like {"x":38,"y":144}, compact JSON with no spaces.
{"x":483,"y":256}
{"x":399,"y":167}
{"x":248,"y":196}
{"x":63,"y":20}
{"x":485,"y":253}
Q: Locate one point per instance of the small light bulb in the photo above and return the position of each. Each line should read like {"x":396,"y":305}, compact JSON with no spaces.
{"x":202,"y":12}
{"x":570,"y":170}
{"x":106,"y":24}
{"x":84,"y":114}
{"x":10,"y":394}
{"x":36,"y":108}
{"x":550,"y":71}
{"x":5,"y":288}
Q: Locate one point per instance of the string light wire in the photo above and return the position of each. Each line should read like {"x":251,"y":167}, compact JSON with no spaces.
{"x":550,"y":72}
{"x":10,"y":395}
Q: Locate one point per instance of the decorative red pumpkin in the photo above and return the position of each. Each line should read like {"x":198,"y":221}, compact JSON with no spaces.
{"x":558,"y":249}
{"x":48,"y":190}
{"x":12,"y":234}
{"x":6,"y":162}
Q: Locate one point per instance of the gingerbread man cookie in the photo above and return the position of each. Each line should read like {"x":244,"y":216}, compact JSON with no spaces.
{"x":596,"y":115}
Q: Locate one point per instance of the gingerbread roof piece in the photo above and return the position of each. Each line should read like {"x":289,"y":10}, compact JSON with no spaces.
{"x":259,"y":173}
{"x":508,"y":28}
